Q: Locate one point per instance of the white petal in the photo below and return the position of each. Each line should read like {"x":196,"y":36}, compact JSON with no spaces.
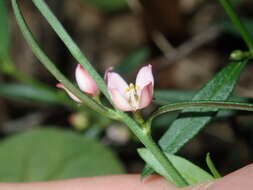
{"x":115,"y":81}
{"x":144,"y":76}
{"x":119,"y":101}
{"x":146,"y":96}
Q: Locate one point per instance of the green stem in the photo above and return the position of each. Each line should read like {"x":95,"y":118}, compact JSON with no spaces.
{"x":70,"y":44}
{"x":200,"y":104}
{"x":172,"y":172}
{"x":212,"y":167}
{"x":237,"y":22}
{"x":138,"y":117}
{"x":51,"y":67}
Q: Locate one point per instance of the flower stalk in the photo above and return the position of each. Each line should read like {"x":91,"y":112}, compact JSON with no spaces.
{"x":146,"y":139}
{"x":172,"y":174}
{"x":238,"y":23}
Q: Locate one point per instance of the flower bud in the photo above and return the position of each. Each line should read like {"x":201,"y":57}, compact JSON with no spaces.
{"x":85,"y":82}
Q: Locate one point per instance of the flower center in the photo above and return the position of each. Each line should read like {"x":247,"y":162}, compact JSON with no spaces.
{"x":133,"y":98}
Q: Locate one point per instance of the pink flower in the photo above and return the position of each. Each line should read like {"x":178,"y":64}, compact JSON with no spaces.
{"x":84,"y":81}
{"x":131,"y":97}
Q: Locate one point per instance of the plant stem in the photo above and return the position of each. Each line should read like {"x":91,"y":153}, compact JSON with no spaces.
{"x":238,"y":24}
{"x":70,"y":44}
{"x":51,"y":66}
{"x":172,"y":173}
{"x":200,"y":104}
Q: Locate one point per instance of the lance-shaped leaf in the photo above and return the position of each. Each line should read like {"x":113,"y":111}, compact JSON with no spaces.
{"x":189,"y":122}
{"x":191,"y":173}
{"x":212,"y":167}
{"x":31,"y":93}
{"x":4,"y":32}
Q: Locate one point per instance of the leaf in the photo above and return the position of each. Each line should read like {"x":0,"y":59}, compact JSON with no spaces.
{"x":52,"y":154}
{"x":4,"y":32}
{"x":133,"y":61}
{"x":191,"y":173}
{"x":108,"y":5}
{"x":26,"y":92}
{"x":188,"y":125}
{"x":147,"y":171}
{"x":164,"y":97}
{"x":212,"y":167}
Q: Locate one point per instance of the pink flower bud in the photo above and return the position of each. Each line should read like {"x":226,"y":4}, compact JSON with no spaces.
{"x":131,"y":97}
{"x":59,"y":85}
{"x":85,"y":82}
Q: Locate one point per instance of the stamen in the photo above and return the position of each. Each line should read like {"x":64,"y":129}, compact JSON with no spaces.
{"x":132,"y":95}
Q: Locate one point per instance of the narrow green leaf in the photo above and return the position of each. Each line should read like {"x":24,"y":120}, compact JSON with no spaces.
{"x":4,"y":32}
{"x":187,"y":126}
{"x":26,"y":92}
{"x":133,"y":61}
{"x":70,"y":44}
{"x":212,"y":167}
{"x":147,"y":171}
{"x":163,"y":97}
{"x":53,"y":154}
{"x":200,"y":104}
{"x":191,"y":173}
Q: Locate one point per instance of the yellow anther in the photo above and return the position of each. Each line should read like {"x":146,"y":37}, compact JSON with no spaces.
{"x":131,"y":87}
{"x":133,"y":98}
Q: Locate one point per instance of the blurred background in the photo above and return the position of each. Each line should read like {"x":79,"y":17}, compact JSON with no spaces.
{"x":186,"y":41}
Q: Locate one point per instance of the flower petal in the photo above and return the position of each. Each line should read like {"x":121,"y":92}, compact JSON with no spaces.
{"x":144,"y":76}
{"x":109,"y":69}
{"x":59,"y":85}
{"x":146,"y":96}
{"x":119,"y":101}
{"x":115,"y":81}
{"x":85,"y":82}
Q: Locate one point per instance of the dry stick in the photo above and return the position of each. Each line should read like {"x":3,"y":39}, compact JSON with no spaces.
{"x":171,"y":53}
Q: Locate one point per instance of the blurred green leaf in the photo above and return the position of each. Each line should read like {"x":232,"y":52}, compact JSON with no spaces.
{"x":147,"y":171}
{"x":191,"y":173}
{"x":190,"y":123}
{"x":212,"y":167}
{"x":133,"y":61}
{"x":26,"y":92}
{"x":163,"y":97}
{"x":4,"y":32}
{"x":52,"y":154}
{"x":108,"y":5}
